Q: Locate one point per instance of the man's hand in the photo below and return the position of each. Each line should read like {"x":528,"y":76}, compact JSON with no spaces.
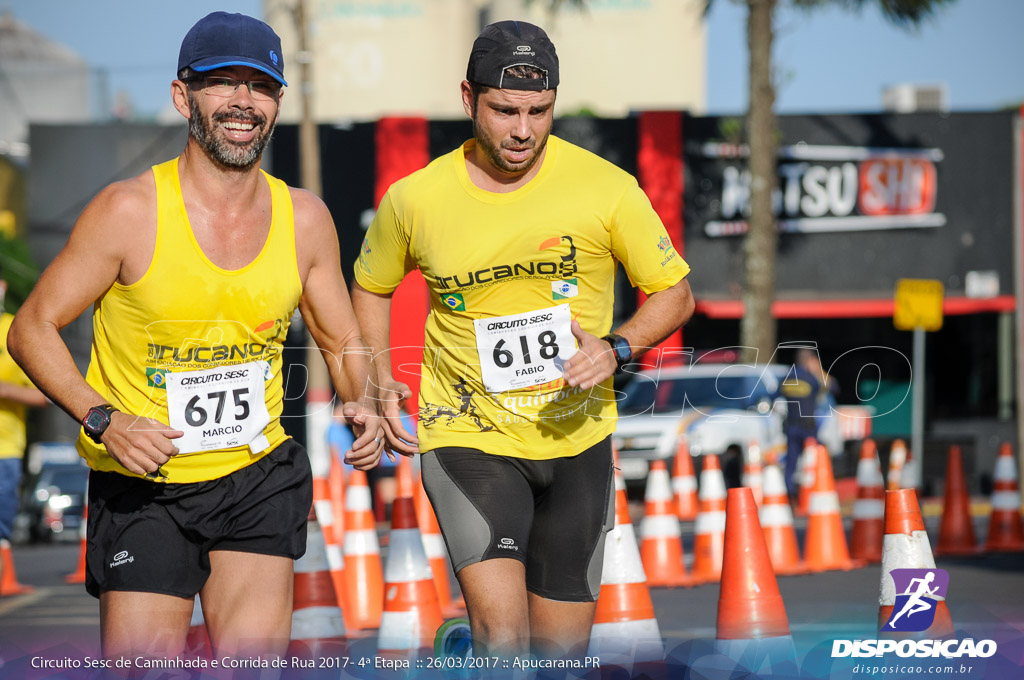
{"x":392,"y":395}
{"x":140,"y":445}
{"x":592,"y":364}
{"x":367,"y":425}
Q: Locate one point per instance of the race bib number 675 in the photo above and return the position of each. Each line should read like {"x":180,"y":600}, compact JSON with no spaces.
{"x":525,"y":349}
{"x":219,"y":407}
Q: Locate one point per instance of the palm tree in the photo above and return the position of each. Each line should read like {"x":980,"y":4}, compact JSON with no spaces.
{"x":758,"y":328}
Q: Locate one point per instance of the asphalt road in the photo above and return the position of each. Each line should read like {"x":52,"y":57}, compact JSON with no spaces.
{"x":985,"y":599}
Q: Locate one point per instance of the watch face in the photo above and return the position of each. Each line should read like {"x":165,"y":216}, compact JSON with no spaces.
{"x":96,"y":420}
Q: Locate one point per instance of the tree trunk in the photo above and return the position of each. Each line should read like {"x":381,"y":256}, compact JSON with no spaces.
{"x":757,"y":328}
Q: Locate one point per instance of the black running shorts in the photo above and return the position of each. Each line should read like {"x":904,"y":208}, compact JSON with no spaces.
{"x":153,"y":537}
{"x":552,"y":515}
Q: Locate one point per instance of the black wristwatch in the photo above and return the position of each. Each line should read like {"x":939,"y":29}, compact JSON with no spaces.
{"x":96,"y":421}
{"x":621,"y":350}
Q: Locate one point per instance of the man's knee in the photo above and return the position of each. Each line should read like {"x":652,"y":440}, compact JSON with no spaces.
{"x":497,"y":634}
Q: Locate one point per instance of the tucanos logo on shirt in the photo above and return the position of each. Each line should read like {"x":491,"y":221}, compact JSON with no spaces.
{"x":454,"y":302}
{"x":193,"y":353}
{"x":561,"y":268}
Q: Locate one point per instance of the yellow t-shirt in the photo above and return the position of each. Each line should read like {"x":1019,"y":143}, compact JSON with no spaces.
{"x":12,"y":413}
{"x":550,"y":243}
{"x":198,"y":346}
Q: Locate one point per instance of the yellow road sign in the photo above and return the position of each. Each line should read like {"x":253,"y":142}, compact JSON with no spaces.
{"x":918,"y":304}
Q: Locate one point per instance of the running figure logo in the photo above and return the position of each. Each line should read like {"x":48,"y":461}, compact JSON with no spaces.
{"x":918,"y":591}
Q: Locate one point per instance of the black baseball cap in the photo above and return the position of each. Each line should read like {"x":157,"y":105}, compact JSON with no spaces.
{"x":221,"y":39}
{"x":512,"y":43}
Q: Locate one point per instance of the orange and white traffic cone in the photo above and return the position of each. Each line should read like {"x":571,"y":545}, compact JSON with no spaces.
{"x":897,"y":459}
{"x":197,"y":641}
{"x":437,"y":554}
{"x":323,"y":508}
{"x":752,"y":475}
{"x":826,"y":547}
{"x":403,"y":478}
{"x":8,"y":579}
{"x":752,"y":627}
{"x":364,"y":577}
{"x":625,"y":631}
{"x":1005,"y":528}
{"x":411,"y":611}
{"x":336,"y":482}
{"x":906,"y":546}
{"x":318,"y":627}
{"x":661,"y":544}
{"x":684,"y":484}
{"x":910,"y":476}
{"x":777,"y":523}
{"x":709,"y":529}
{"x":808,"y":465}
{"x":956,"y":528}
{"x":78,"y":575}
{"x":869,"y":508}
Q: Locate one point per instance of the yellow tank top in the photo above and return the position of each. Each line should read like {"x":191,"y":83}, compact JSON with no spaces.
{"x":194,"y":345}
{"x":12,"y":413}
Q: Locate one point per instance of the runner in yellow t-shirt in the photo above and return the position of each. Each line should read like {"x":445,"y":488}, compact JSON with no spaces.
{"x":517,"y":235}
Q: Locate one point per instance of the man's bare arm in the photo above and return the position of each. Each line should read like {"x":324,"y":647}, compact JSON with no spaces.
{"x":22,"y":394}
{"x":327,"y":311}
{"x":88,"y":265}
{"x":374,"y":313}
{"x":657,"y":318}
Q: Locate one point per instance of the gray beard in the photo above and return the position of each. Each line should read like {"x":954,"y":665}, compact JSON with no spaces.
{"x":229,"y":155}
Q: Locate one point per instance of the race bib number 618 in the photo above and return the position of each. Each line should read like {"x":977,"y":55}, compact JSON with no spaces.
{"x":525,"y":349}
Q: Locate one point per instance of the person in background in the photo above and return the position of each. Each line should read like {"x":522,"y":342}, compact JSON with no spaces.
{"x":800,"y":390}
{"x":17,"y":394}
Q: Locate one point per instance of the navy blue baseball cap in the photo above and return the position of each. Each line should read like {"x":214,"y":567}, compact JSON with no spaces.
{"x":221,"y":39}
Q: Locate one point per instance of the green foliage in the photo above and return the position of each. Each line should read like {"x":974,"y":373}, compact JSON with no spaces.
{"x":19,"y":270}
{"x":732,"y":130}
{"x":903,"y":13}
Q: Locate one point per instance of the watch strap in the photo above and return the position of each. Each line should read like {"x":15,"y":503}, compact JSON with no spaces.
{"x":621,"y":350}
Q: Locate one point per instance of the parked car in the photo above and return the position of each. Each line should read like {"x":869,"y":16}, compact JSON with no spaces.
{"x":718,"y":408}
{"x":54,"y":503}
{"x":713,"y":408}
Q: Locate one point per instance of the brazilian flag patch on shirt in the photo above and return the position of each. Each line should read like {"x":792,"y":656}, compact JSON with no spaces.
{"x":155,"y":378}
{"x":563,"y":290}
{"x":454,"y":302}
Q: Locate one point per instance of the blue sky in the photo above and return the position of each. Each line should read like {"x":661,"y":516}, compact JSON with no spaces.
{"x":827,"y":60}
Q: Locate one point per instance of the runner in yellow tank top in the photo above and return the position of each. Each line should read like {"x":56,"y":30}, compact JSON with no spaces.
{"x":17,"y":393}
{"x":517,"y":235}
{"x":194,"y":270}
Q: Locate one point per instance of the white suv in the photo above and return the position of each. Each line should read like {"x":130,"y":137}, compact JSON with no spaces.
{"x":714,"y":408}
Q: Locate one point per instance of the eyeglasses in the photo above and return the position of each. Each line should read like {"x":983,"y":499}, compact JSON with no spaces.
{"x":221,"y":86}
